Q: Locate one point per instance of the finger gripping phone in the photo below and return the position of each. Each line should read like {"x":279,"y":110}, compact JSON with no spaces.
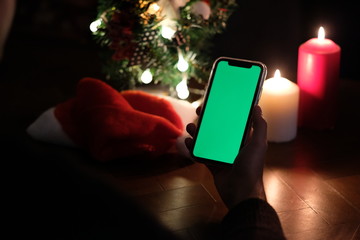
{"x":234,"y":89}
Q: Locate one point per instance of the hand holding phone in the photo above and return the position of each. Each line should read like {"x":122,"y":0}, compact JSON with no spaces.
{"x":234,"y":89}
{"x":243,"y":179}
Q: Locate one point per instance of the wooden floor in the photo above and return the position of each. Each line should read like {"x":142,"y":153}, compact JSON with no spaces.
{"x":312,"y":182}
{"x":310,"y":205}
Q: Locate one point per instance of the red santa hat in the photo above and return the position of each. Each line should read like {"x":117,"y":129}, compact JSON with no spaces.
{"x":113,"y":125}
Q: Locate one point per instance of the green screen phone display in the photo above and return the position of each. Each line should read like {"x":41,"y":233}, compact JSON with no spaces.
{"x":231,"y":95}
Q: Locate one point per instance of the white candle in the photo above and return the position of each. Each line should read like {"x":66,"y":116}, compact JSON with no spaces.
{"x":279,"y":102}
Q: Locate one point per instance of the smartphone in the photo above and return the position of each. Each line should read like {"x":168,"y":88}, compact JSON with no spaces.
{"x":233,"y":90}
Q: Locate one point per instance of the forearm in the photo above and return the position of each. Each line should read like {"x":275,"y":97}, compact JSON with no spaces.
{"x":252,"y":219}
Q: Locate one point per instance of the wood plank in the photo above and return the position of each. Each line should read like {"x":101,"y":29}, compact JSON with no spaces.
{"x":202,"y":174}
{"x":139,"y":186}
{"x":177,"y":198}
{"x":349,"y":188}
{"x":178,"y":178}
{"x":279,"y":195}
{"x":301,"y":220}
{"x":321,"y":197}
{"x":356,"y":234}
{"x":336,"y":232}
{"x":187,"y":217}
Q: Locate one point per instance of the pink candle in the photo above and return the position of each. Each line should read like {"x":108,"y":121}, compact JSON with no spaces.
{"x":317,"y":78}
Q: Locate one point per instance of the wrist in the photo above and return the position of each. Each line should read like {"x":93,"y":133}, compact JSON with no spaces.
{"x":234,"y":196}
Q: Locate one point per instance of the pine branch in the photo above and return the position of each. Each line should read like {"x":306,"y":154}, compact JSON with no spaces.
{"x":131,"y":38}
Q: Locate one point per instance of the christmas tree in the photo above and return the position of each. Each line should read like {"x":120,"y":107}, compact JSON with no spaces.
{"x":161,"y":41}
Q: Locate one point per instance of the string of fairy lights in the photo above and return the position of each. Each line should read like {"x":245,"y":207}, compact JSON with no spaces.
{"x":165,"y":51}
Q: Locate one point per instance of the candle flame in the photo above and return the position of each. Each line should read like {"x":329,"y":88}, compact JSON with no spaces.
{"x":321,"y":33}
{"x":277,"y":74}
{"x":277,"y":84}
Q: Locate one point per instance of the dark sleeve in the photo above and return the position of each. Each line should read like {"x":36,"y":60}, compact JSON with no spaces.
{"x":48,"y":198}
{"x":252,"y":219}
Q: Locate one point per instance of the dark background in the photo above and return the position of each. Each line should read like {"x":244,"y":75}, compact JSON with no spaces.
{"x":268,"y":31}
{"x":50,"y":47}
{"x":272,"y":31}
